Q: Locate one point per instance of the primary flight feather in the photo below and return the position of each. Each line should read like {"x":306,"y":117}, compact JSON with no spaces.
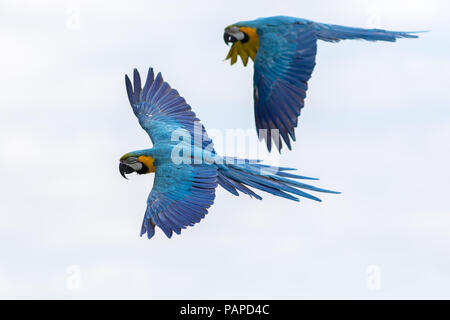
{"x":284,"y":52}
{"x":187,"y":169}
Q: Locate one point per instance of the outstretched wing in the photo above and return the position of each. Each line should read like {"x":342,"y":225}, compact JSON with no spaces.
{"x":180,"y":197}
{"x":283,"y":65}
{"x":181,"y":193}
{"x":161,"y":110}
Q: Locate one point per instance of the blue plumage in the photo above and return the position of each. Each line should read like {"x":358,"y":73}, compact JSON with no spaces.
{"x":183,"y":191}
{"x":284,"y":63}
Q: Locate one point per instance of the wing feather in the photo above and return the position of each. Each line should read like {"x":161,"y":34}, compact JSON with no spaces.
{"x":180,"y":197}
{"x":181,"y":193}
{"x":283,"y":65}
{"x":161,"y":110}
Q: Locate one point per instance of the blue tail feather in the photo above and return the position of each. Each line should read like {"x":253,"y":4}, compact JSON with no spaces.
{"x":234,"y":177}
{"x":335,"y":33}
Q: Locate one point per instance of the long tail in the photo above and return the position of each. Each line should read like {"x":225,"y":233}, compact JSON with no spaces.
{"x":238,"y":175}
{"x":335,"y":33}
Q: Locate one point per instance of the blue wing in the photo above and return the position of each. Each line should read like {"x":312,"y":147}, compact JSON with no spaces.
{"x":181,"y":193}
{"x":283,"y":65}
{"x":161,"y":110}
{"x":180,"y":197}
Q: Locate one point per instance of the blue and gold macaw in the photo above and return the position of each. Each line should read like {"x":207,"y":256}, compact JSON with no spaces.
{"x":187,"y":169}
{"x":284,"y":51}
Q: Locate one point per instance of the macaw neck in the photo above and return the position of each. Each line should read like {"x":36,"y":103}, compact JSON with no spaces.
{"x":178,"y":154}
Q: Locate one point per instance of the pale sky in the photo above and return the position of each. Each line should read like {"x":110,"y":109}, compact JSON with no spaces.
{"x":376,"y":126}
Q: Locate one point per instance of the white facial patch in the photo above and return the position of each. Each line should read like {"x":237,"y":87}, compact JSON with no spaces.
{"x":133,"y":163}
{"x":136,"y":166}
{"x":235,"y":32}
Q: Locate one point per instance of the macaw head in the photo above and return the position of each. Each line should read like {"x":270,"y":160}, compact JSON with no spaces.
{"x":233,"y":34}
{"x":137,"y":162}
{"x":245,"y":42}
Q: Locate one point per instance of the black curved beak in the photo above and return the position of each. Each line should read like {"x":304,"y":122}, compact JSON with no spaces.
{"x":228,"y":38}
{"x":124,"y":169}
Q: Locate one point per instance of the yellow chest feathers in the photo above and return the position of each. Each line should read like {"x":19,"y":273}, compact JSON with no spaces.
{"x":245,"y":50}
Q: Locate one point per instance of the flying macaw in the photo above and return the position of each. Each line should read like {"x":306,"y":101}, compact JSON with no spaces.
{"x":284,"y":51}
{"x":187,"y":169}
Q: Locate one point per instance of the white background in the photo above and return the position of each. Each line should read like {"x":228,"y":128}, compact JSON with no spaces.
{"x":375,"y":126}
